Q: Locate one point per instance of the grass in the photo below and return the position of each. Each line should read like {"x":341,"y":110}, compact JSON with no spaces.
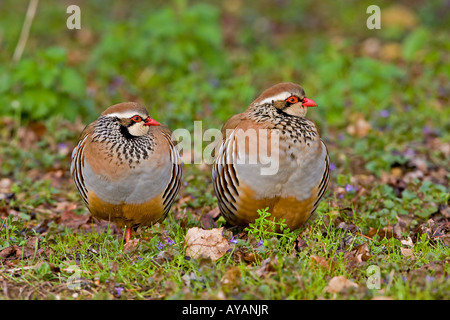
{"x":383,"y":113}
{"x":97,"y":266}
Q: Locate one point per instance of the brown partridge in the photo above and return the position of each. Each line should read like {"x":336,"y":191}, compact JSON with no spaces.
{"x":126,"y":167}
{"x":271,"y":156}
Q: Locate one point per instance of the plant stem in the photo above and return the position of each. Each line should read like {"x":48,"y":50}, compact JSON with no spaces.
{"x":31,"y":11}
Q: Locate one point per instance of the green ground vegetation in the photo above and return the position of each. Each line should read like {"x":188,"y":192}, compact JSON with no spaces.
{"x":383,"y":113}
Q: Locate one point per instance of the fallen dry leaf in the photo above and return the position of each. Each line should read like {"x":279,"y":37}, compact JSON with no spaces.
{"x":5,"y":185}
{"x":208,"y":219}
{"x":267,"y":267}
{"x":6,"y":252}
{"x":130,"y":245}
{"x":207,"y":243}
{"x":163,"y":256}
{"x":339,"y":283}
{"x":400,"y":16}
{"x":362,"y":253}
{"x":387,"y":232}
{"x":322,"y":262}
{"x":232,"y":277}
{"x":300,"y":244}
{"x":406,"y":252}
{"x":407,"y":242}
{"x":72,"y":220}
{"x":360,"y":127}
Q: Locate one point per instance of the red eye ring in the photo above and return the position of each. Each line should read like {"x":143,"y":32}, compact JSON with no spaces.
{"x":136,"y":118}
{"x":292,"y":99}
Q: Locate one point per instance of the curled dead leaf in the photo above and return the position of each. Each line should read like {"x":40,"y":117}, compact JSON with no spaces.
{"x":322,"y":262}
{"x":207,"y":243}
{"x":406,"y":252}
{"x":362,"y":253}
{"x":407,"y":242}
{"x":208,"y":219}
{"x":6,"y":252}
{"x":131,"y":245}
{"x":267,"y":267}
{"x":339,"y":283}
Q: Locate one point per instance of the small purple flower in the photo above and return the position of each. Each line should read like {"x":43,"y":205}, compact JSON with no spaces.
{"x":260,"y":242}
{"x":426,"y":130}
{"x":409,"y":153}
{"x":332,"y":166}
{"x":119,"y":291}
{"x":170,"y":241}
{"x":160,"y":246}
{"x":233,"y":240}
{"x":349,"y":188}
{"x":384,"y":113}
{"x":429,"y":278}
{"x":115,"y":84}
{"x":62,"y":146}
{"x":341,"y":136}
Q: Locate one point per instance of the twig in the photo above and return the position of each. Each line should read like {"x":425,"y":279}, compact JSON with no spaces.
{"x":362,"y":235}
{"x":5,"y":289}
{"x":13,"y":270}
{"x":31,"y":11}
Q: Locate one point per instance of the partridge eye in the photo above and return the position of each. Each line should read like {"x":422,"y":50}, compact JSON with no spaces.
{"x":136,"y":118}
{"x":292,"y":99}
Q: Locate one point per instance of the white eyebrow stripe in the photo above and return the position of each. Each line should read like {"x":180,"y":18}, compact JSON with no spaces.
{"x":281,"y":96}
{"x":125,"y":114}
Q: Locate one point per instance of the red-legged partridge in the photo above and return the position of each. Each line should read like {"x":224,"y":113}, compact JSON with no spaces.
{"x":126,"y":167}
{"x":271,"y":156}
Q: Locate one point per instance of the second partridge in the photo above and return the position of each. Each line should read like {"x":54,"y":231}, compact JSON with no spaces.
{"x":271,"y":156}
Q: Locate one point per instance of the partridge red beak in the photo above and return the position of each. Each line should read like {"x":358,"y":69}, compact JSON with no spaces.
{"x":309,"y":103}
{"x":151,"y":122}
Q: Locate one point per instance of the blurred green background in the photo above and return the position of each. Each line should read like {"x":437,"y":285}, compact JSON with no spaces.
{"x":377,"y":90}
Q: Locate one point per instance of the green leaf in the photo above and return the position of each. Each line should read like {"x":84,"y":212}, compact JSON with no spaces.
{"x":389,"y":204}
{"x":73,"y":83}
{"x":425,"y":212}
{"x":342,"y":180}
{"x":413,"y":43}
{"x":5,"y":81}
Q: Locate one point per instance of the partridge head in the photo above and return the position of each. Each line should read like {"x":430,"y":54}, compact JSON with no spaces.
{"x":288,"y":98}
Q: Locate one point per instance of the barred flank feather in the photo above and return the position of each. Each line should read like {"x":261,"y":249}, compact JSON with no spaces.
{"x":76,"y":169}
